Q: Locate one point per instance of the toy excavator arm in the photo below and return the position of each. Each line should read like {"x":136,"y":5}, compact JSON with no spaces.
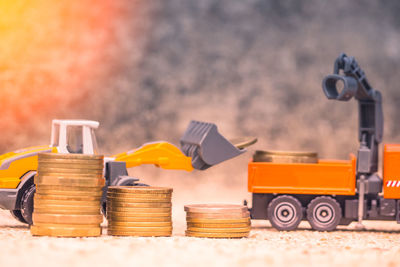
{"x":161,"y":154}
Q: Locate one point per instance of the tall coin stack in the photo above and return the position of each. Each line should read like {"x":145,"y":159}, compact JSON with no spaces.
{"x":139,"y":211}
{"x":68,"y":195}
{"x":217,"y":221}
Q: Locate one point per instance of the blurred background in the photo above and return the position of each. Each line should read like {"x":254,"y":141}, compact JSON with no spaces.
{"x":144,"y":69}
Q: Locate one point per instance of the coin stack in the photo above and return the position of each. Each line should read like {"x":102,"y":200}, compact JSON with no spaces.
{"x":217,"y":221}
{"x":139,"y":211}
{"x":68,"y":195}
{"x":285,"y":156}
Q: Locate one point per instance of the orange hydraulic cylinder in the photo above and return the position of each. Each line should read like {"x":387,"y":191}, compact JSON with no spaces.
{"x":391,"y":171}
{"x":327,"y":177}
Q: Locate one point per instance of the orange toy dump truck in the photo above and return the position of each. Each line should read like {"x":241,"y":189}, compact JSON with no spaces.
{"x":333,"y":192}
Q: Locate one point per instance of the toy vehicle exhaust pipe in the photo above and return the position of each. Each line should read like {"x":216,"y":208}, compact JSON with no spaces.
{"x":206,"y":146}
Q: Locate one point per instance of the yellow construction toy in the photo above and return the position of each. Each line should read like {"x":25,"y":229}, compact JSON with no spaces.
{"x":202,"y":147}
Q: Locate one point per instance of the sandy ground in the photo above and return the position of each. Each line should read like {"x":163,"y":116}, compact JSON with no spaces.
{"x":380,"y":245}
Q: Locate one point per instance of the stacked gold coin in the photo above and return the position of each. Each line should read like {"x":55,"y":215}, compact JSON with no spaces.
{"x":68,"y":195}
{"x":217,"y":221}
{"x":285,"y":156}
{"x":139,"y":211}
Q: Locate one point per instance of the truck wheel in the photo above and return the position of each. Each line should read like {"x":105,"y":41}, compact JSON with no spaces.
{"x":27,"y":204}
{"x":18,"y":215}
{"x":285,"y":213}
{"x":324,"y":213}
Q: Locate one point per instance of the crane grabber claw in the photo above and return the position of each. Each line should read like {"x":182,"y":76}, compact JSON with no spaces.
{"x":207,"y":147}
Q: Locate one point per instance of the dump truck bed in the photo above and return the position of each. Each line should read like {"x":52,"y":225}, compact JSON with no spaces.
{"x":327,"y":177}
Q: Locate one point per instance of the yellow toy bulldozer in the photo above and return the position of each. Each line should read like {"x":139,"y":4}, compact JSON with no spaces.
{"x":202,"y":147}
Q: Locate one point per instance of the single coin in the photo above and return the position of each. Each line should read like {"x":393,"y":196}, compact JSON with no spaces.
{"x":140,"y":189}
{"x":139,"y":224}
{"x":138,"y":219}
{"x":218,"y":225}
{"x":138,"y":204}
{"x":141,"y":234}
{"x":45,"y":202}
{"x":72,"y":161}
{"x":71,"y":193}
{"x":66,"y":225}
{"x":216,"y":235}
{"x":69,"y":156}
{"x":140,"y":229}
{"x":69,"y":188}
{"x":66,"y":219}
{"x":138,"y":200}
{"x":67,"y":206}
{"x":67,"y":197}
{"x":219,"y":230}
{"x":285,"y":156}
{"x":65,"y":231}
{"x":73,"y":175}
{"x":232,"y":216}
{"x":67,"y":212}
{"x":138,"y":210}
{"x":139,"y":196}
{"x":243,"y":142}
{"x":71,"y":165}
{"x":67,"y":171}
{"x":81,"y":182}
{"x":216,"y":208}
{"x":138,"y":214}
{"x":217,"y":221}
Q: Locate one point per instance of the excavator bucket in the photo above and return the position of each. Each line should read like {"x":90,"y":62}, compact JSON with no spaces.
{"x":203,"y":143}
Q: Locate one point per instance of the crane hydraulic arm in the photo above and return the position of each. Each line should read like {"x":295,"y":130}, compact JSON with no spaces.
{"x":353,"y":83}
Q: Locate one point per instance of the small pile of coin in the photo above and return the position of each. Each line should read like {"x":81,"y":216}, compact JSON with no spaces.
{"x":217,"y":221}
{"x":68,"y":195}
{"x":139,"y":211}
{"x":285,"y":156}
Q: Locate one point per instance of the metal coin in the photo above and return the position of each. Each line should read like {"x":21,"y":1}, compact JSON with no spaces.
{"x":243,"y":142}
{"x":116,"y":204}
{"x":71,"y":193}
{"x":232,"y":216}
{"x":69,"y":156}
{"x":66,"y":219}
{"x":67,"y":211}
{"x":141,"y":234}
{"x":138,"y":219}
{"x":57,"y":180}
{"x":44,"y":202}
{"x":217,"y":221}
{"x":112,"y":224}
{"x":218,"y":225}
{"x":40,"y":187}
{"x":216,"y":208}
{"x":67,"y":197}
{"x":217,"y":235}
{"x":285,"y":157}
{"x":138,"y":210}
{"x":140,"y":229}
{"x":67,"y":171}
{"x":75,"y":166}
{"x":65,"y":231}
{"x":140,"y":189}
{"x":219,"y":230}
{"x":136,"y":214}
{"x":138,"y":200}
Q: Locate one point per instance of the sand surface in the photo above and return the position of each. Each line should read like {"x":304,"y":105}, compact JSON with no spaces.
{"x":379,"y":246}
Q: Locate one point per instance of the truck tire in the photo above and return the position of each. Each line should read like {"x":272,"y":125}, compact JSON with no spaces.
{"x":18,"y":215}
{"x":324,"y":213}
{"x":285,"y":213}
{"x":27,"y":204}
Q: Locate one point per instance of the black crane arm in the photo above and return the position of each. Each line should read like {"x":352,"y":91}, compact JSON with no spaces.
{"x":353,"y":83}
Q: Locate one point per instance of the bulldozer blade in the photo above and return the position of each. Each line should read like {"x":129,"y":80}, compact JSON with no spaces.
{"x":206,"y":146}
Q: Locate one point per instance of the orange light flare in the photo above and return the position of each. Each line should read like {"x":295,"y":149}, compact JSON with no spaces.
{"x":48,"y":49}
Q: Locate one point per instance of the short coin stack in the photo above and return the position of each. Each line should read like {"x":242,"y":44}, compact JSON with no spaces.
{"x":217,"y":221}
{"x":68,"y":195}
{"x":139,"y":211}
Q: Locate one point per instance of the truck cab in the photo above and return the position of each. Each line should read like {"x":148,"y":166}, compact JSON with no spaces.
{"x":74,"y":136}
